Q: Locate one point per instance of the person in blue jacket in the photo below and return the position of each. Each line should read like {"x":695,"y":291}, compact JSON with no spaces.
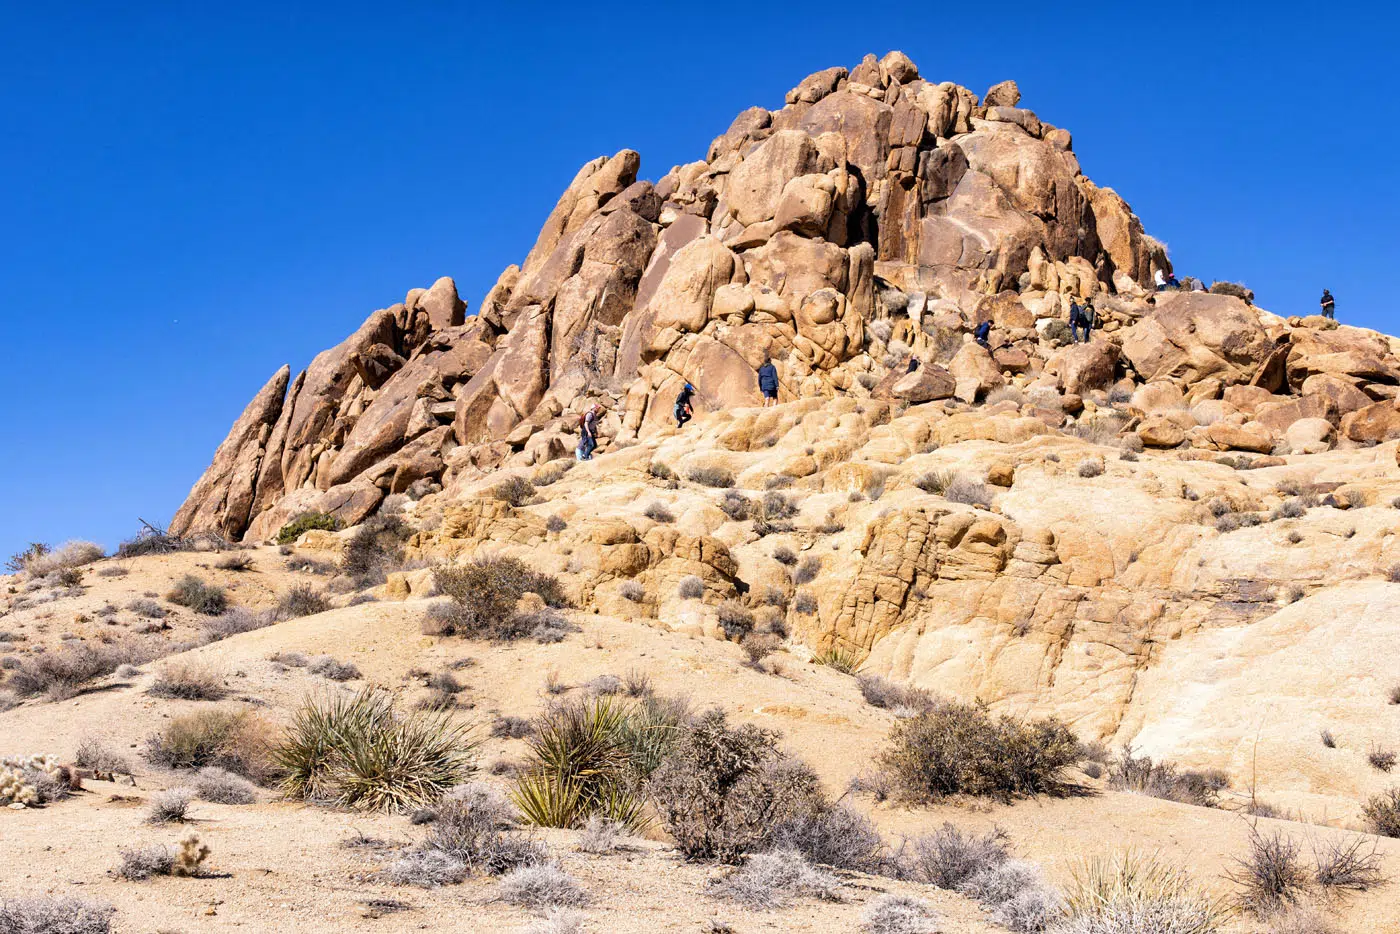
{"x":983,"y":333}
{"x":684,"y":410}
{"x":768,"y":382}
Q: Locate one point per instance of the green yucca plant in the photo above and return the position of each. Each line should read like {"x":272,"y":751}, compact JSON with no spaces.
{"x":1134,"y":887}
{"x":579,"y":766}
{"x":360,"y":751}
{"x":846,"y":662}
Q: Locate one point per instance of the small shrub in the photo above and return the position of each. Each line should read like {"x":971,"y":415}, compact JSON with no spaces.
{"x":61,"y":673}
{"x":1233,"y":289}
{"x":1270,"y":876}
{"x":637,"y":683}
{"x":375,"y":549}
{"x":93,"y":754}
{"x":657,"y":512}
{"x":141,"y":863}
{"x":775,"y":506}
{"x":599,"y":836}
{"x":169,"y":807}
{"x":899,"y":914}
{"x":514,"y":490}
{"x":969,"y":493}
{"x":306,"y":522}
{"x":784,"y":555}
{"x":717,"y":477}
{"x":1347,"y":864}
{"x":188,"y":681}
{"x":960,"y":749}
{"x":690,"y":588}
{"x":1300,"y":919}
{"x":66,"y":557}
{"x":328,"y":667}
{"x":301,"y":600}
{"x":1393,"y":697}
{"x":483,"y":596}
{"x":558,"y":921}
{"x":1381,"y":759}
{"x":233,"y":741}
{"x":1289,"y":509}
{"x":223,"y":787}
{"x":552,"y":472}
{"x":735,"y":619}
{"x":632,"y":590}
{"x":511,"y":727}
{"x":837,"y":836}
{"x":735,"y":505}
{"x":758,"y":646}
{"x":1090,"y":468}
{"x":544,"y":885}
{"x":426,"y":868}
{"x":947,"y":858}
{"x":936,"y":482}
{"x":1164,"y":780}
{"x":190,"y":591}
{"x":1131,"y":893}
{"x":807,"y":570}
{"x":1328,"y":739}
{"x":555,"y":524}
{"x":768,"y":879}
{"x":44,"y":915}
{"x":605,"y":686}
{"x":236,"y":620}
{"x":804,"y":603}
{"x":1382,"y":813}
{"x":878,"y":692}
{"x":360,"y":751}
{"x":148,"y":609}
{"x":237,"y":562}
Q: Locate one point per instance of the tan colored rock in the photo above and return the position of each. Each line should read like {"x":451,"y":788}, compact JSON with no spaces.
{"x":1373,"y":424}
{"x":974,"y":362}
{"x":756,"y":185}
{"x":1310,"y":435}
{"x":927,"y":383}
{"x":1251,"y":436}
{"x":1164,"y":430}
{"x":1005,"y":94}
{"x":1082,"y":367}
{"x":1195,"y":335}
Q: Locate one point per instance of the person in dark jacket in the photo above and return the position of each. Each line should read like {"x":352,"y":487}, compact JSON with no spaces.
{"x":983,"y":332}
{"x":1329,"y":304}
{"x":1078,"y":318}
{"x":684,"y":410}
{"x":588,"y":441}
{"x":768,"y":382}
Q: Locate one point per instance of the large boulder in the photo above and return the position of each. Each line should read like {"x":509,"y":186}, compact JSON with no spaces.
{"x":1081,"y":367}
{"x":927,"y":383}
{"x":974,"y":363}
{"x":1195,"y":335}
{"x":756,"y":184}
{"x":1373,"y":424}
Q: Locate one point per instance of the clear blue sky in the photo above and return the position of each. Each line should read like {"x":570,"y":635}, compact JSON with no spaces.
{"x":191,"y":198}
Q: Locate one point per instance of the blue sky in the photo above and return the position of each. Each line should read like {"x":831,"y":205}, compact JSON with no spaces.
{"x":192,"y":198}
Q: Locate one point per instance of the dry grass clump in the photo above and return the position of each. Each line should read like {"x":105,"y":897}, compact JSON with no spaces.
{"x":147,"y":608}
{"x":807,"y":570}
{"x":879,"y":692}
{"x":717,"y":477}
{"x":94,"y":754}
{"x":40,"y":561}
{"x":690,"y":588}
{"x":232,"y":740}
{"x":236,"y":620}
{"x":936,"y":481}
{"x":223,"y":787}
{"x":961,"y":749}
{"x":804,"y":603}
{"x":969,"y":493}
{"x":1380,"y":758}
{"x":328,"y":667}
{"x":660,"y":471}
{"x":767,"y":880}
{"x":657,"y":512}
{"x":898,"y":914}
{"x":45,"y":915}
{"x":552,"y":472}
{"x":301,"y":600}
{"x":632,"y":590}
{"x":784,"y":555}
{"x":193,"y":592}
{"x":600,"y":835}
{"x":304,"y":523}
{"x":188,"y":681}
{"x":1165,"y":780}
{"x":543,"y":885}
{"x":361,"y":751}
{"x":735,"y":505}
{"x":1382,"y":813}
{"x":61,"y":673}
{"x":482,"y":598}
{"x":514,"y":490}
{"x":169,"y":806}
{"x":1090,"y":468}
{"x":1300,"y":919}
{"x":1133,"y":893}
{"x":237,"y":561}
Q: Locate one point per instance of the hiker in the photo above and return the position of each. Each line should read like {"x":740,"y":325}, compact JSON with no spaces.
{"x":1160,"y":280}
{"x":684,"y":410}
{"x":1077,"y":320}
{"x":1329,"y":305}
{"x":983,"y":331}
{"x":1172,"y":282}
{"x":768,"y":382}
{"x":588,"y":432}
{"x":913,"y":364}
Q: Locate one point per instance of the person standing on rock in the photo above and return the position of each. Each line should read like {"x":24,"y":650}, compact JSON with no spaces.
{"x":588,"y":440}
{"x":1329,"y":305}
{"x":1161,"y":280}
{"x":684,"y":410}
{"x":768,"y":382}
{"x":1077,"y":320}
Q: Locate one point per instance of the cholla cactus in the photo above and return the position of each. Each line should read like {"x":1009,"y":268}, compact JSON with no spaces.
{"x":46,"y":764}
{"x":15,"y":789}
{"x":191,"y":854}
{"x":31,"y":780}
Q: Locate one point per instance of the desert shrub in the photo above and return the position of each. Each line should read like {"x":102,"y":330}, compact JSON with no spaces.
{"x":690,"y":588}
{"x":147,"y":608}
{"x":838,"y":836}
{"x":778,"y":481}
{"x":804,"y":603}
{"x":238,"y":561}
{"x":236,"y":620}
{"x":483,"y":596}
{"x":758,"y":646}
{"x":721,"y":791}
{"x":1129,"y":456}
{"x":60,"y":673}
{"x":559,"y":921}
{"x":969,"y":493}
{"x":188,"y":681}
{"x":1098,"y":430}
{"x":1347,"y":864}
{"x":190,"y":591}
{"x":1300,"y":919}
{"x":632,"y":590}
{"x":807,"y":570}
{"x":514,"y":490}
{"x":45,"y":915}
{"x":169,"y":806}
{"x":879,"y":692}
{"x":947,"y":858}
{"x":961,"y":749}
{"x":1270,"y":875}
{"x":1381,"y":759}
{"x":94,"y":754}
{"x":375,"y":549}
{"x":328,"y":667}
{"x":552,"y":472}
{"x":1018,"y":897}
{"x":236,"y":741}
{"x":784,"y":555}
{"x":605,"y":686}
{"x":843,"y":660}
{"x":306,"y":522}
{"x":578,"y":767}
{"x":65,"y":557}
{"x":735,"y":505}
{"x":1140,"y":774}
{"x":360,"y":751}
{"x":657,"y":512}
{"x":936,"y":481}
{"x":426,"y":868}
{"x":637,"y":683}
{"x":1090,"y":468}
{"x":1382,"y":813}
{"x":710,"y":476}
{"x":1328,"y":739}
{"x":1131,"y":893}
{"x":776,"y":506}
{"x":735,"y":619}
{"x":511,"y":727}
{"x":1289,"y":509}
{"x":660,"y":471}
{"x":543,"y":885}
{"x":223,"y":787}
{"x":555,"y":524}
{"x":1233,"y":289}
{"x":599,"y":836}
{"x":301,"y":600}
{"x":898,"y":914}
{"x":141,"y":863}
{"x":768,"y":879}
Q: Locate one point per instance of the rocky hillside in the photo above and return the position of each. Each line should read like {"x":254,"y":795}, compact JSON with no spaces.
{"x":1152,"y":534}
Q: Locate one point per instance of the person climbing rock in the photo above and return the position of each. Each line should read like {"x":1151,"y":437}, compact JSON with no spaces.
{"x":684,"y":410}
{"x":1077,"y":321}
{"x":588,"y":432}
{"x":768,"y":382}
{"x":982,"y":333}
{"x":1329,"y":305}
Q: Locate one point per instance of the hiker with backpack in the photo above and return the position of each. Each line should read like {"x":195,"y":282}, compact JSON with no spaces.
{"x":588,"y":432}
{"x":684,"y":411}
{"x":768,"y":382}
{"x":1329,"y":305}
{"x":1077,"y":320}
